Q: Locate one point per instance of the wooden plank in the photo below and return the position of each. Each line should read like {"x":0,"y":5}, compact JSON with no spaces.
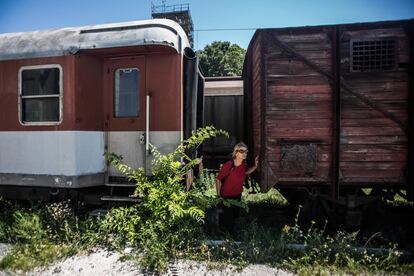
{"x":274,"y":88}
{"x":298,"y":106}
{"x":410,"y":163}
{"x":370,"y":182}
{"x":263,"y":90}
{"x":375,"y":33}
{"x":277,"y":114}
{"x":275,"y":142}
{"x":369,"y":131}
{"x":276,"y":53}
{"x":298,"y":80}
{"x":294,"y":123}
{"x":374,"y":140}
{"x":367,"y":122}
{"x":306,"y":46}
{"x":374,"y":148}
{"x":394,"y":153}
{"x":297,"y":97}
{"x":294,"y":67}
{"x":314,"y":133}
{"x":374,"y":175}
{"x":382,"y":90}
{"x":391,"y":106}
{"x":336,"y":112}
{"x":256,"y":103}
{"x":302,"y":38}
{"x":362,"y":113}
{"x":367,"y":165}
{"x":399,"y":99}
{"x":374,"y":157}
{"x":375,"y":77}
{"x":383,"y":96}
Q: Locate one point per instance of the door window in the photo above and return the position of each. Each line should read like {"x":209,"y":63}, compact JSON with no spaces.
{"x":127,"y":83}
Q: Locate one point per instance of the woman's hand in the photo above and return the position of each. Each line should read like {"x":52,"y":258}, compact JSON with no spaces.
{"x":256,"y":161}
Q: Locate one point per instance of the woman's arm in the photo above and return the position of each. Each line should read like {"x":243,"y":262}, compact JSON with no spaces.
{"x":256,"y":164}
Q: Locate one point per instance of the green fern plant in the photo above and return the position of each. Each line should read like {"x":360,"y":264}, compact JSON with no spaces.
{"x":167,"y":206}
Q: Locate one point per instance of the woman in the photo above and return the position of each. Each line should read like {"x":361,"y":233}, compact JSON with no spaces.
{"x":229,"y":183}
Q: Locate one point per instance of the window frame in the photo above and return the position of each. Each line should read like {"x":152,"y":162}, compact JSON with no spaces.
{"x":21,"y":97}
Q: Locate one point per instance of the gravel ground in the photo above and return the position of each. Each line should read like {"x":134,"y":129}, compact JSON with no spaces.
{"x":4,"y":247}
{"x":102,"y":262}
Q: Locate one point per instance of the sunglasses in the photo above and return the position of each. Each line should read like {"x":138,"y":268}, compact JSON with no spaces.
{"x":243,"y":151}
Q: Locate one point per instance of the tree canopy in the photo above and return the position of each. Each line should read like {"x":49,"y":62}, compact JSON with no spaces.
{"x":221,"y":58}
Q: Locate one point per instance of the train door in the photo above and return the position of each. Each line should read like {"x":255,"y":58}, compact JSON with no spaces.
{"x":125,"y":110}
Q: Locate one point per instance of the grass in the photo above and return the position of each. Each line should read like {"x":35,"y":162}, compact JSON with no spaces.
{"x":44,"y":233}
{"x":273,"y":197}
{"x":27,"y":256}
{"x":40,"y":233}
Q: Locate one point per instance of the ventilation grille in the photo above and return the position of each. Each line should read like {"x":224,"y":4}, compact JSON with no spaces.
{"x":373,"y":55}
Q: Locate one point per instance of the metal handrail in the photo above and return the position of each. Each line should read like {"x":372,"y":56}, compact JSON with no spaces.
{"x":172,"y":8}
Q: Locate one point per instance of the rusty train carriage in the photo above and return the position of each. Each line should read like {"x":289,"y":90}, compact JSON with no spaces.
{"x":68,"y":95}
{"x":332,"y":106}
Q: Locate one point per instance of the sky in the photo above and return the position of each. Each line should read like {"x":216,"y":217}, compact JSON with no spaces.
{"x":212,"y":18}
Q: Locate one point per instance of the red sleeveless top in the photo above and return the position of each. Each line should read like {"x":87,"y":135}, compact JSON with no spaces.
{"x":234,"y":179}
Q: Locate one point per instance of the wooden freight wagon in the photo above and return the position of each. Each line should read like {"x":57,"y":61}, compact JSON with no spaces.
{"x":331,"y":108}
{"x":70,"y":95}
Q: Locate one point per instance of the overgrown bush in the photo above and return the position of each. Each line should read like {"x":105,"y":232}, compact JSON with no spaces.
{"x":170,"y":216}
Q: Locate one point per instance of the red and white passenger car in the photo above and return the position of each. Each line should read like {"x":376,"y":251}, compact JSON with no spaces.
{"x":69,"y":95}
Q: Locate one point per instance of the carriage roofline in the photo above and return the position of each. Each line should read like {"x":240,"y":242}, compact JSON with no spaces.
{"x":68,"y":41}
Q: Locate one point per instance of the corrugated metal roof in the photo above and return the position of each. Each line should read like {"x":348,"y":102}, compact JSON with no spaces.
{"x":66,"y":41}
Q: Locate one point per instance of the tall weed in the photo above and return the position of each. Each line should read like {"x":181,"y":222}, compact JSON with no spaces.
{"x":339,"y":251}
{"x":167,"y":206}
{"x":42,"y":233}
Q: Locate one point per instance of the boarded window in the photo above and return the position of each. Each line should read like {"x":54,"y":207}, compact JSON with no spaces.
{"x":373,"y":55}
{"x":40,"y":94}
{"x":298,"y":157}
{"x":127,"y":92}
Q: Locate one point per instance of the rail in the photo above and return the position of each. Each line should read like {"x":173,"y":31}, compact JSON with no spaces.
{"x":172,"y":8}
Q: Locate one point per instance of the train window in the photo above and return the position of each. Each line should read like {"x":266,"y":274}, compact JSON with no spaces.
{"x":40,"y":94}
{"x":127,"y":92}
{"x":373,"y":55}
